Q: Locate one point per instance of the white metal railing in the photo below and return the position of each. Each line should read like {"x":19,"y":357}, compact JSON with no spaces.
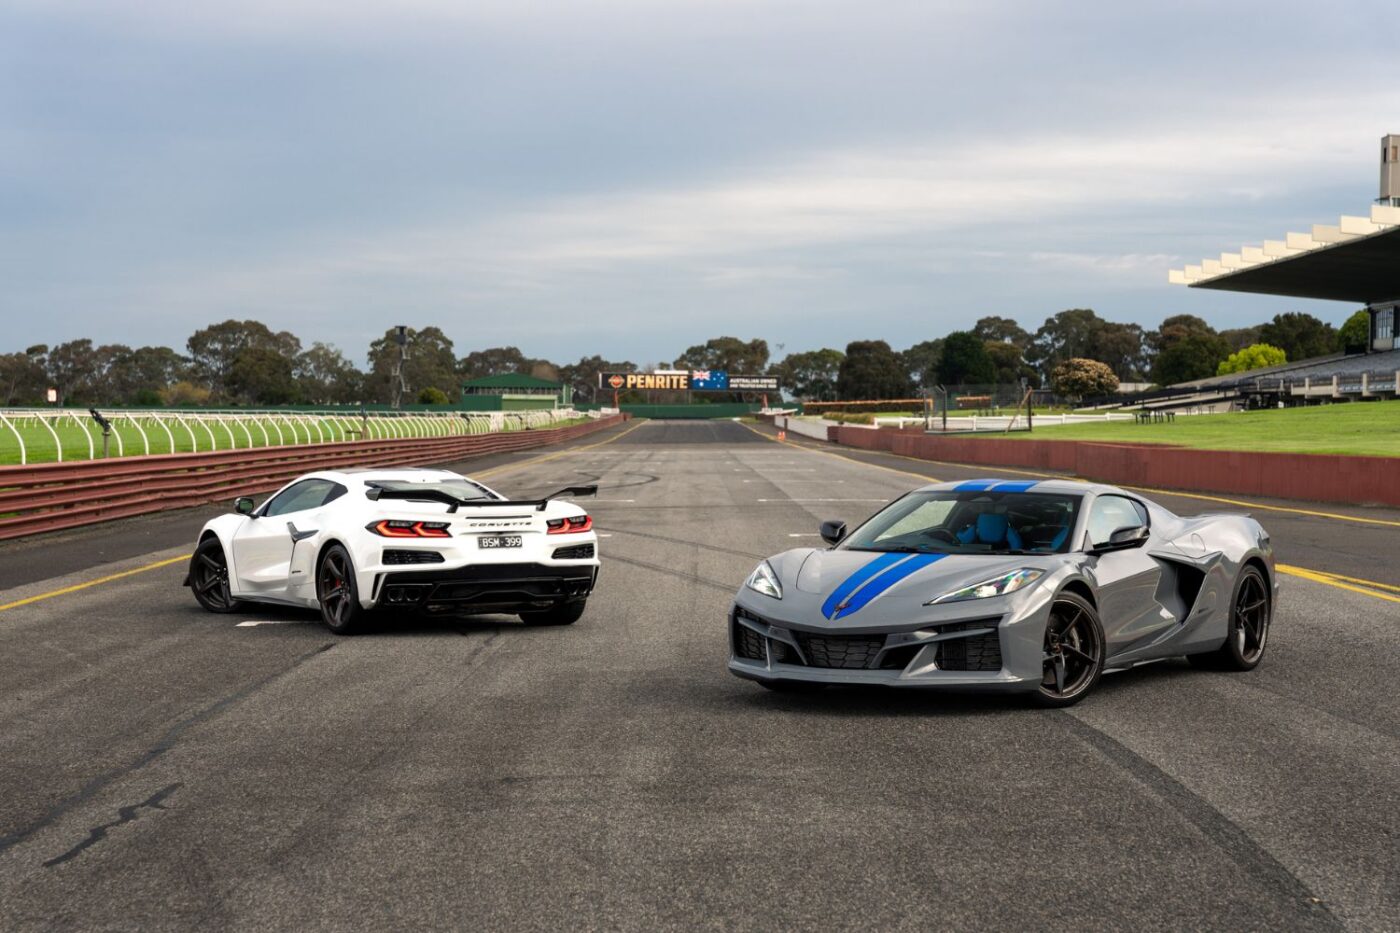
{"x":39,"y":435}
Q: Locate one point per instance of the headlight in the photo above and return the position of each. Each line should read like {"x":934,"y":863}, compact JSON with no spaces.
{"x":764,"y":580}
{"x":997,"y":586}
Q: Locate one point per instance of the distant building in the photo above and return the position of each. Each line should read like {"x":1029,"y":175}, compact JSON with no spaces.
{"x":514,"y":392}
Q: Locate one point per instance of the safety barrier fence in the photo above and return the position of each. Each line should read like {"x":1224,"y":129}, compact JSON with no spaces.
{"x":40,"y":435}
{"x":1314,"y":477}
{"x":54,"y":496}
{"x":1353,"y":480}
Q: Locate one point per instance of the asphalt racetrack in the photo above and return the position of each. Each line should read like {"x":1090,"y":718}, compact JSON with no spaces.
{"x":164,"y":768}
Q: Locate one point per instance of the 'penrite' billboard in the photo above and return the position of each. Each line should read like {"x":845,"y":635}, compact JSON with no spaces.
{"x":696,"y":380}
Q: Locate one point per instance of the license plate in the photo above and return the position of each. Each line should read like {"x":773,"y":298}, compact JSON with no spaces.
{"x":489,"y":541}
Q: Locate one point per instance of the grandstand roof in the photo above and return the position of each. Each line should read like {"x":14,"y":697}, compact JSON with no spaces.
{"x":1358,"y":260}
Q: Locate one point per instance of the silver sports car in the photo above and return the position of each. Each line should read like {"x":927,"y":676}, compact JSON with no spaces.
{"x":1021,"y":586}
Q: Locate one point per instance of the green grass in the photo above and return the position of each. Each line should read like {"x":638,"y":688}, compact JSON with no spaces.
{"x":1366,"y":428}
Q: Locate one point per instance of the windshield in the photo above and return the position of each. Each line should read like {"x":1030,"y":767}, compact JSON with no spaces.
{"x":982,"y":522}
{"x":462,"y":489}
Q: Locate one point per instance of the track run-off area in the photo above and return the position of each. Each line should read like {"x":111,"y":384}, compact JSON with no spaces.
{"x":162,"y":768}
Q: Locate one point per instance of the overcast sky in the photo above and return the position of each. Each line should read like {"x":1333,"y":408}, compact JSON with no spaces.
{"x":628,"y":178}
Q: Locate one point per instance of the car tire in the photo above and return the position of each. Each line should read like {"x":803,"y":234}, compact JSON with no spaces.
{"x":563,"y":614}
{"x":209,"y":578}
{"x":1251,"y":612}
{"x":1074,"y":652}
{"x":337,"y":592}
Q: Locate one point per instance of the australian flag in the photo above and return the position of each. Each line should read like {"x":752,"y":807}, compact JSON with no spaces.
{"x":709,"y":380}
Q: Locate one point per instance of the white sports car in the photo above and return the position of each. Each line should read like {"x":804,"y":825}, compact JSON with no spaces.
{"x":350,"y":541}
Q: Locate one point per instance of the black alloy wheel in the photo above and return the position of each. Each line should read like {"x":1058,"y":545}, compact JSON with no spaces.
{"x":1074,"y":652}
{"x":337,"y":592}
{"x":209,"y":578}
{"x":1250,"y":613}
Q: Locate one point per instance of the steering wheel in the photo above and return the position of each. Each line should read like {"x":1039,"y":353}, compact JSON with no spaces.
{"x":942,"y":534}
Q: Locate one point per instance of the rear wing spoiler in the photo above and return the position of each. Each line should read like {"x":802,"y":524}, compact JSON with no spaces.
{"x":377,"y":493}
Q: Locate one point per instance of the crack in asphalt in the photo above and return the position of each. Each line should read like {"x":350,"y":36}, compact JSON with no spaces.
{"x":128,"y":814}
{"x":1222,"y":831}
{"x":166,"y":742}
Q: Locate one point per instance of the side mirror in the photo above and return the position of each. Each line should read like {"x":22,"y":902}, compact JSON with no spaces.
{"x":1129,"y":536}
{"x":833,"y":531}
{"x":244,"y":505}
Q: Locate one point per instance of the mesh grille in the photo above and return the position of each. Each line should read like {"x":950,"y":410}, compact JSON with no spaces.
{"x":576,"y":552}
{"x":848,"y":652}
{"x":404,"y":556}
{"x":748,"y":643}
{"x":974,"y":653}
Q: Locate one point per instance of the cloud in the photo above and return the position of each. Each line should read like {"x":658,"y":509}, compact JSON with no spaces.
{"x":636,"y":176}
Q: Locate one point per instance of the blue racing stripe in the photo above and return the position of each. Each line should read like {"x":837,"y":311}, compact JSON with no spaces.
{"x":1019,"y":486}
{"x":853,"y":582}
{"x":975,"y":485}
{"x":886,"y":580}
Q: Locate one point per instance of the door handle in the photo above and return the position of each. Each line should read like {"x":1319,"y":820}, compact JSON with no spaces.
{"x":299,"y":535}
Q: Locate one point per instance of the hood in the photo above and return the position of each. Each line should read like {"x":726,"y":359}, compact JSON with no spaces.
{"x":849,"y":588}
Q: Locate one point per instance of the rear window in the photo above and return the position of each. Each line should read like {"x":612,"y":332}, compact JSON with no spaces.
{"x":461,"y":488}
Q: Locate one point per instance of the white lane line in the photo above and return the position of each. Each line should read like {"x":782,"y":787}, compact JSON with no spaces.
{"x":811,"y":534}
{"x":824,"y":482}
{"x":253,"y":623}
{"x":604,"y":536}
{"x":614,"y":500}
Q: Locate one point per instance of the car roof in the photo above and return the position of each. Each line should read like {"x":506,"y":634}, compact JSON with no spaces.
{"x":1001,"y":484}
{"x":402,"y":474}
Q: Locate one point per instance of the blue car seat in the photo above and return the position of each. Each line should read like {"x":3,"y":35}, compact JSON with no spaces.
{"x":992,"y":528}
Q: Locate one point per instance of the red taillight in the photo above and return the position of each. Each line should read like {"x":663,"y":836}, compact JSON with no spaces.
{"x":571,"y":525}
{"x":397,"y":528}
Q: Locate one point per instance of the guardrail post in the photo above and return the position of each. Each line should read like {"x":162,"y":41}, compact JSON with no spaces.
{"x":23,"y":454}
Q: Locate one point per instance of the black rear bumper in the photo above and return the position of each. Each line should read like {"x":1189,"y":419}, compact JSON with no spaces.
{"x":486,"y":588}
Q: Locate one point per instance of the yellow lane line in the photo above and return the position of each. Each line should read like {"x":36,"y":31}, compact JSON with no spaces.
{"x":1317,"y":576}
{"x":174,"y":560}
{"x":829,"y":453}
{"x":100,"y":580}
{"x":1358,"y":581}
{"x":1311,"y":513}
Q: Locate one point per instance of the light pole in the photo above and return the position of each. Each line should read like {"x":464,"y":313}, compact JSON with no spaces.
{"x":399,"y":387}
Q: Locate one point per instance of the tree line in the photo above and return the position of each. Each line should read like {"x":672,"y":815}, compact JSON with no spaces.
{"x":245,"y":363}
{"x":998,"y":351}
